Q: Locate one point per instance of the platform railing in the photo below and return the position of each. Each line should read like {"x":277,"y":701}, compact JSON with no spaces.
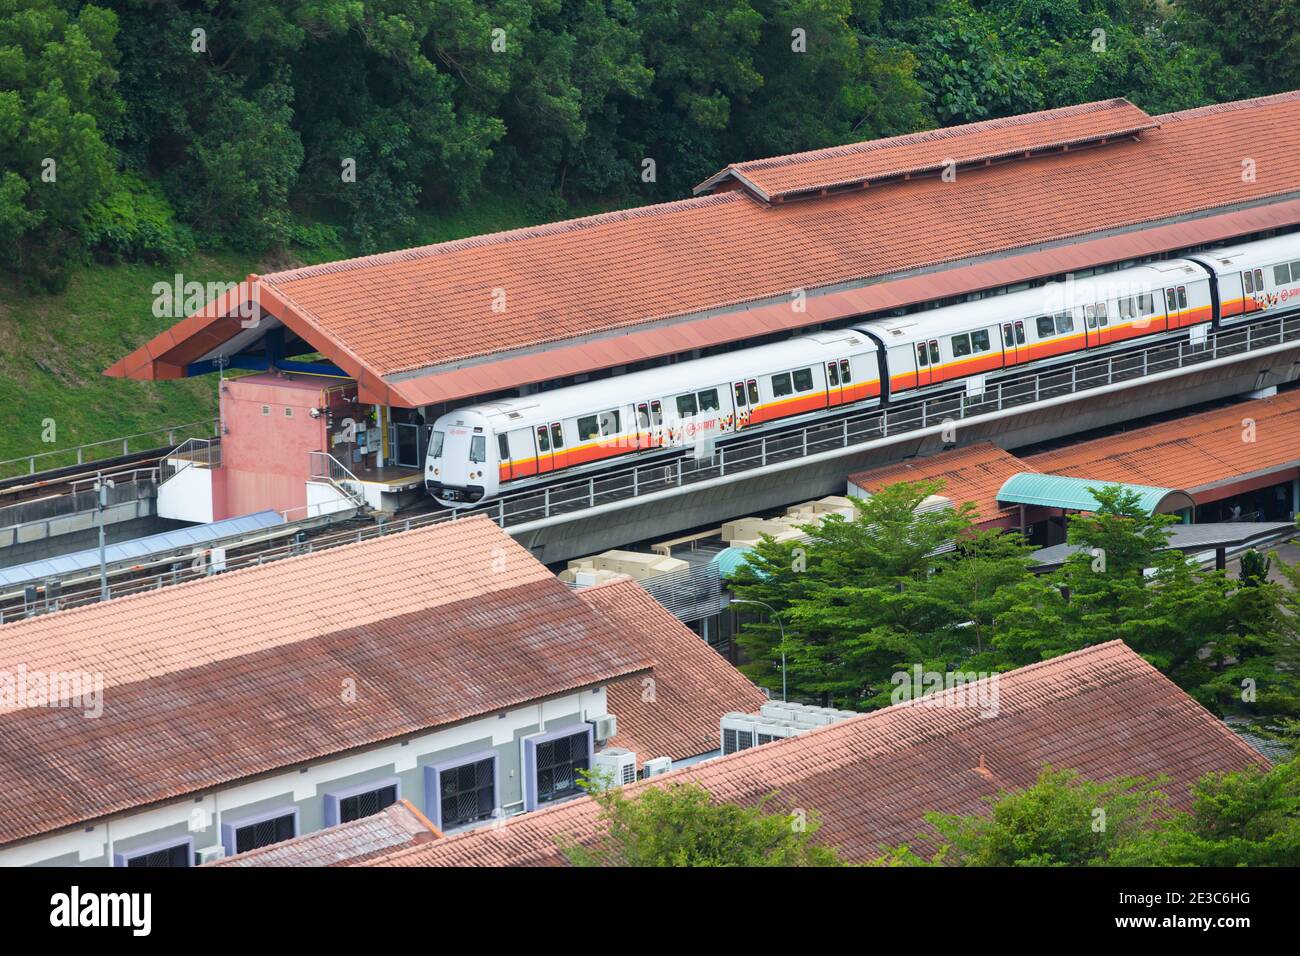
{"x":191,"y":453}
{"x":325,"y":467}
{"x":97,"y":450}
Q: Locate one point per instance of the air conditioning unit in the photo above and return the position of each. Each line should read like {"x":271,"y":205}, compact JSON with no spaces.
{"x":657,"y":765}
{"x":209,"y":853}
{"x":779,"y":710}
{"x":615,"y":765}
{"x":737,"y":732}
{"x":769,"y":730}
{"x":604,"y":727}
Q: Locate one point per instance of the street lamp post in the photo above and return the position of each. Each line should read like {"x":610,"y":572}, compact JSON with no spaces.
{"x":771,"y":610}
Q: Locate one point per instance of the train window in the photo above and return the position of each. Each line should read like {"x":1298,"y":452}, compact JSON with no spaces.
{"x":1046,"y":326}
{"x":1282,"y":274}
{"x":832,"y":373}
{"x":656,"y":414}
{"x":1090,"y":316}
{"x":934,"y":351}
{"x":1064,"y":322}
{"x":557,"y":436}
{"x":960,"y":345}
{"x":543,"y":442}
{"x":435,"y":444}
{"x":979,"y":340}
{"x":1171,"y":301}
{"x":781,"y":384}
{"x":642,"y":416}
{"x":709,"y":400}
{"x":1182,"y":296}
{"x":1126,"y":308}
{"x":609,"y":422}
{"x":686,"y":406}
{"x":588,"y":427}
{"x":803,"y":380}
{"x":1146,"y":304}
{"x":478,"y":448}
{"x":1101,"y":314}
{"x":846,"y":371}
{"x":740,"y":394}
{"x":920,"y":355}
{"x":1295,"y":271}
{"x":1259,"y":280}
{"x":1247,"y":279}
{"x":752,"y":385}
{"x":503,"y":446}
{"x":1007,"y":339}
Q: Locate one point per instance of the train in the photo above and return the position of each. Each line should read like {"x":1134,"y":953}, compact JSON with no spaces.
{"x":482,"y":451}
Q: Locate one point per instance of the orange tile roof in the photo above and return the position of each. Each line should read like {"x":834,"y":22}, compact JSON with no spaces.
{"x":973,"y":473}
{"x":1191,"y":453}
{"x":918,"y":153}
{"x":693,"y":686}
{"x":243,"y":673}
{"x":608,"y":289}
{"x":346,"y":844}
{"x":1102,"y":711}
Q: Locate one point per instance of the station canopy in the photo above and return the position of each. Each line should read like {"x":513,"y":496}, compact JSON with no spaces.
{"x":1076,"y":494}
{"x":857,"y":230}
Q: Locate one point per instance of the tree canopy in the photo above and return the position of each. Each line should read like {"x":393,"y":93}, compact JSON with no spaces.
{"x":255,"y":125}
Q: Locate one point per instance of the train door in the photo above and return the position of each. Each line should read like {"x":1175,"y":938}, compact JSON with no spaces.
{"x":1010,"y":351}
{"x":834,"y":390}
{"x":506,"y":469}
{"x":741,"y":401}
{"x":545,"y":460}
{"x":924,"y":365}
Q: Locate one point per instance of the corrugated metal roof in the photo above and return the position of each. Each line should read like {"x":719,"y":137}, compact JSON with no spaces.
{"x":1073,"y":494}
{"x":137,"y":549}
{"x":1188,"y":537}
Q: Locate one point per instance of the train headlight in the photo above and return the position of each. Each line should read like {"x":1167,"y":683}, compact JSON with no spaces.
{"x":435,"y":471}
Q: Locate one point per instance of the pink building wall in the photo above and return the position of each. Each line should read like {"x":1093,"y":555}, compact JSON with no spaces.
{"x":265,"y":448}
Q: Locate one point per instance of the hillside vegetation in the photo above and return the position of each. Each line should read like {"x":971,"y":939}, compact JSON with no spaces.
{"x":144,"y":138}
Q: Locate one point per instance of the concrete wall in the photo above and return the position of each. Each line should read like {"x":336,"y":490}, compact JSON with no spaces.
{"x":200,"y":820}
{"x":265,"y":449}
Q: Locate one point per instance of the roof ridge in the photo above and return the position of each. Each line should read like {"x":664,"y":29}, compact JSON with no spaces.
{"x":1231,"y":106}
{"x":927,"y":135}
{"x":416,"y":253}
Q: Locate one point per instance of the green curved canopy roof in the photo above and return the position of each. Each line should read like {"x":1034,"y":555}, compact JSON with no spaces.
{"x":1072,"y":494}
{"x":730,"y":559}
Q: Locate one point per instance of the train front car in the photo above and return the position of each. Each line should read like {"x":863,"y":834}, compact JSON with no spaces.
{"x":461,"y":466}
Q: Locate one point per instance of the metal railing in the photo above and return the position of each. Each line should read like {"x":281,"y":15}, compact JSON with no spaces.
{"x":94,"y":451}
{"x":193,"y":452}
{"x":325,"y":467}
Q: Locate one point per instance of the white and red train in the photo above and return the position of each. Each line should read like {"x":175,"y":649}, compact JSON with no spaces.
{"x":481,"y":451}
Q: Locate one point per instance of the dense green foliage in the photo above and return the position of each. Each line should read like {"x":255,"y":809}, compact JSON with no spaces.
{"x":249,"y":121}
{"x":865,"y":600}
{"x":1250,"y":818}
{"x":681,"y":825}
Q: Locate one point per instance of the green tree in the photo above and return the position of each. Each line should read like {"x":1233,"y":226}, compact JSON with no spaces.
{"x":682,"y":825}
{"x":57,"y":100}
{"x":1246,"y":818}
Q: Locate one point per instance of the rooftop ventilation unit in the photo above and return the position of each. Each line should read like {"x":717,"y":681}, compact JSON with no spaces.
{"x":737,"y":732}
{"x":603,"y":728}
{"x":209,"y":853}
{"x":615,"y":766}
{"x":657,"y":765}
